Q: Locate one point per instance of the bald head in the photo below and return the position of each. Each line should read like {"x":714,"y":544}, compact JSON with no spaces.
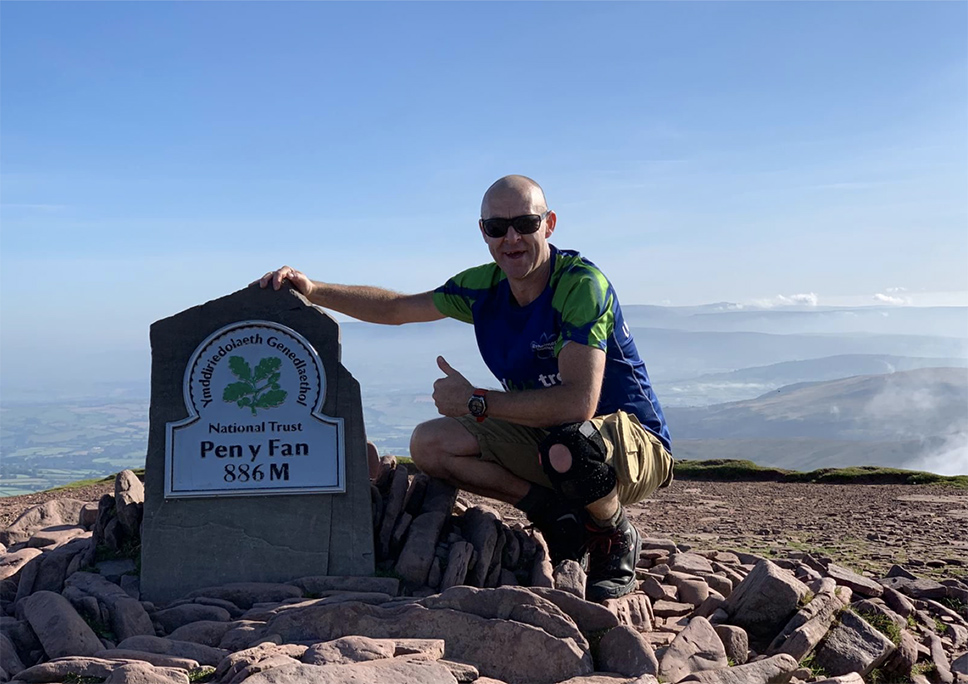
{"x":508,"y":195}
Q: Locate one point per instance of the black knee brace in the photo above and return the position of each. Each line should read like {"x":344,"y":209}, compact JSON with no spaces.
{"x":589,"y":478}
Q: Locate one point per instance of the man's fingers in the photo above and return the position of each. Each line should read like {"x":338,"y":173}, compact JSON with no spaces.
{"x":445,"y":367}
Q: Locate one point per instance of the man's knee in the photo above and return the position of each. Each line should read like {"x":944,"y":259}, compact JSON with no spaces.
{"x":573,"y":456}
{"x":436,"y":442}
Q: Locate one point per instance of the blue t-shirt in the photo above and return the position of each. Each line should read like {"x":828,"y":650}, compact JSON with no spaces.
{"x":520,"y":344}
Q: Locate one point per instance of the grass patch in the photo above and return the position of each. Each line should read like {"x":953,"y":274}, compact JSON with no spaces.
{"x":810,"y":662}
{"x":884,"y":625}
{"x":741,"y":470}
{"x":204,"y":673}
{"x":140,"y":472}
{"x":940,"y":626}
{"x":880,"y":676}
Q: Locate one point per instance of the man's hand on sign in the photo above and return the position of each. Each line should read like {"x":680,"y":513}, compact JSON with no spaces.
{"x":297,"y":279}
{"x":452,"y":391}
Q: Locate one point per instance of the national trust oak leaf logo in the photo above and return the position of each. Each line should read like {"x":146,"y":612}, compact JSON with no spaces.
{"x":247,"y":391}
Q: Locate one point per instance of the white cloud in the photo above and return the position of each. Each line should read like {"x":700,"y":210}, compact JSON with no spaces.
{"x":890,"y":299}
{"x":803,"y":299}
{"x":896,"y":289}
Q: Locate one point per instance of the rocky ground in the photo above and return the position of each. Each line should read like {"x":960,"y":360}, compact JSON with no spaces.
{"x":740,"y":583}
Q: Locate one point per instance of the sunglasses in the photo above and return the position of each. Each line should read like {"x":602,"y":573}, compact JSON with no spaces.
{"x":523,"y":225}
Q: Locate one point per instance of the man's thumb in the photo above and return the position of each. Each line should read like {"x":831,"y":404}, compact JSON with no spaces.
{"x":445,"y":367}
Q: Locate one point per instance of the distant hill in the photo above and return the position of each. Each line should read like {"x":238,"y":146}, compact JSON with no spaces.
{"x":748,"y":383}
{"x":923,"y":403}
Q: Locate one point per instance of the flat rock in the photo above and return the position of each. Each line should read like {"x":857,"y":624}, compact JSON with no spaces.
{"x":625,"y":651}
{"x":59,"y":669}
{"x":503,"y":648}
{"x":12,"y":561}
{"x":634,"y":610}
{"x":60,"y":629}
{"x":852,"y":645}
{"x":56,"y":535}
{"x":590,"y":617}
{"x":143,"y":673}
{"x":390,"y":671}
{"x":48,"y":514}
{"x":319,"y":584}
{"x":347,"y":650}
{"x":691,"y":563}
{"x":776,"y":669}
{"x":569,"y":576}
{"x":858,"y":583}
{"x":916,"y":588}
{"x":9,"y":660}
{"x":205,"y":632}
{"x":173,"y":618}
{"x":247,"y":594}
{"x":206,"y":655}
{"x":157,"y":659}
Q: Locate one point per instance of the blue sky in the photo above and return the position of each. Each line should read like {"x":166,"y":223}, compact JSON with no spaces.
{"x":156,"y":155}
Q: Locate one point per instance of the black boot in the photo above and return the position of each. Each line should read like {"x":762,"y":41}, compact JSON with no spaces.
{"x":612,"y":555}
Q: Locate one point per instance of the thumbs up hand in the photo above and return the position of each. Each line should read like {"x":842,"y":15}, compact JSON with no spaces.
{"x":452,"y":391}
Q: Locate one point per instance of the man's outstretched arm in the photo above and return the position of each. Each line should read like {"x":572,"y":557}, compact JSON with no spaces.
{"x":363,"y":302}
{"x":573,"y":400}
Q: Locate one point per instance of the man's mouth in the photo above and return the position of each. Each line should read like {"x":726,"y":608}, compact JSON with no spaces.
{"x":515,"y":255}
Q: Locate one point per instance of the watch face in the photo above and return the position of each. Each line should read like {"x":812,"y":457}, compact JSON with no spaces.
{"x":476,"y":406}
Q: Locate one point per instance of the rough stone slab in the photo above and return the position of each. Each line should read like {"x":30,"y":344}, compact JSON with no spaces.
{"x":143,"y":673}
{"x":237,"y":666}
{"x":47,"y":514}
{"x":634,"y":610}
{"x":776,"y":669}
{"x":172,"y":618}
{"x":12,"y":561}
{"x":391,"y":671}
{"x":269,"y":538}
{"x":58,"y":669}
{"x":157,"y":659}
{"x":504,"y":649}
{"x":765,"y":601}
{"x":852,"y":645}
{"x":61,"y":631}
{"x":691,"y":563}
{"x":9,"y":659}
{"x":413,"y":564}
{"x":696,"y":648}
{"x":347,"y":650}
{"x":204,"y":632}
{"x":56,"y":535}
{"x":672,"y":608}
{"x":480,"y":529}
{"x":625,"y":651}
{"x":206,"y":655}
{"x":569,"y":576}
{"x":458,"y":559}
{"x":319,"y":584}
{"x":917,"y":588}
{"x":128,"y":617}
{"x":735,"y":641}
{"x":858,"y":583}
{"x":589,"y":617}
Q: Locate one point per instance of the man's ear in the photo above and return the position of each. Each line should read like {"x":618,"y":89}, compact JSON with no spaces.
{"x":550,"y":222}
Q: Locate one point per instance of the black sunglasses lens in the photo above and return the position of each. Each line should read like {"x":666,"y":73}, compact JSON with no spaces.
{"x":525,"y":225}
{"x":496,"y":227}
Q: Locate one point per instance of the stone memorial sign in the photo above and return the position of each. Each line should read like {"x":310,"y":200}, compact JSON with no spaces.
{"x":256,"y":467}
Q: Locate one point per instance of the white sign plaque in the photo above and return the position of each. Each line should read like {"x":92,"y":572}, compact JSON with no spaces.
{"x":254,"y":392}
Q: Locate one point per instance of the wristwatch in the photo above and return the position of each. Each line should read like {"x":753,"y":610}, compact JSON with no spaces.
{"x":477,"y":405}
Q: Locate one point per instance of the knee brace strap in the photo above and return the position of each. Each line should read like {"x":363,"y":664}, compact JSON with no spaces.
{"x":589,"y":478}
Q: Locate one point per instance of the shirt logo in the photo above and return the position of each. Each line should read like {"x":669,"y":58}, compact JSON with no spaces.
{"x":544,"y":348}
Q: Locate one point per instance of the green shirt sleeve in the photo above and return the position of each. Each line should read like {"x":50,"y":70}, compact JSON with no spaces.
{"x":584,"y":299}
{"x":456,"y":297}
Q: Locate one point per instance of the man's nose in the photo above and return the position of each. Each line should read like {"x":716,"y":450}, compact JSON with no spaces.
{"x":512,"y":235}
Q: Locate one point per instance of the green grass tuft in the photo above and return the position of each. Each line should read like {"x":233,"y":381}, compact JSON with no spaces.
{"x":740,"y":470}
{"x":203,"y":673}
{"x":884,"y":625}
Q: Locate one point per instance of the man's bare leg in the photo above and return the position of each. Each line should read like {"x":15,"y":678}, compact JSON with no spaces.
{"x":443,"y":448}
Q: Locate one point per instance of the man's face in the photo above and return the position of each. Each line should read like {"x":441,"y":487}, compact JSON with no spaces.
{"x":519,"y":255}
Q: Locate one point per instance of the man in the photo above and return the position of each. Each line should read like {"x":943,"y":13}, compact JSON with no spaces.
{"x":577,"y":430}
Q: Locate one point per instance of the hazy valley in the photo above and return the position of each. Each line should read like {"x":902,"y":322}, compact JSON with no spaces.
{"x":792,"y":388}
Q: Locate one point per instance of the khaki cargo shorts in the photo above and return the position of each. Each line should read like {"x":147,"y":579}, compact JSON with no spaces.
{"x":641,"y":462}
